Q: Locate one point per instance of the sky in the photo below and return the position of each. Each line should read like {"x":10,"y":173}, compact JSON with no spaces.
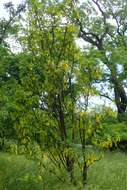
{"x":6,"y":1}
{"x":3,"y":12}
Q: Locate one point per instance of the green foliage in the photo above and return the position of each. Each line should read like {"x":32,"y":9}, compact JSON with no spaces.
{"x":41,"y":89}
{"x":110,"y":134}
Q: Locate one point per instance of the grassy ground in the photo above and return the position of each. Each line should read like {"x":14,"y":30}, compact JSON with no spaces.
{"x":110,"y":173}
{"x":18,"y":173}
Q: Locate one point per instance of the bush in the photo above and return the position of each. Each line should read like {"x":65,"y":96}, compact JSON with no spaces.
{"x":109,"y":135}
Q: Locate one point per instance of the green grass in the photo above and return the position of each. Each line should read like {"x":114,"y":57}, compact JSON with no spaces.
{"x":19,"y":173}
{"x":110,"y":173}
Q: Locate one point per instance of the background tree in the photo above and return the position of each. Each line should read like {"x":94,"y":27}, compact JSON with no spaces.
{"x":9,"y":75}
{"x":103,"y":25}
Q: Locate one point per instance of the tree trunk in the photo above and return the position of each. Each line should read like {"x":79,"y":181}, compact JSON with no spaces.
{"x":119,"y":91}
{"x":63,"y":133}
{"x":69,"y":160}
{"x":84,"y":174}
{"x":120,"y":99}
{"x":120,"y":96}
{"x":70,"y":167}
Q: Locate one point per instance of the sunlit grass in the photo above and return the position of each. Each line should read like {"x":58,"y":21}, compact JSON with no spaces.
{"x":110,"y":173}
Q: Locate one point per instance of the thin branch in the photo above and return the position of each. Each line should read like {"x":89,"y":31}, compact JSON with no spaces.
{"x":106,"y":96}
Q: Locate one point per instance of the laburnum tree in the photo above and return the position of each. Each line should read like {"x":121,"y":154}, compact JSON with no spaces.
{"x":103,"y":26}
{"x":54,"y":76}
{"x":51,"y":75}
{"x":42,"y":86}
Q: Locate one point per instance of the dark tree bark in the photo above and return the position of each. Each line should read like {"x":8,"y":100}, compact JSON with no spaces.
{"x":70,"y":167}
{"x":61,"y":120}
{"x":119,"y":92}
{"x":69,"y":161}
{"x":84,"y":173}
{"x":120,"y":99}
